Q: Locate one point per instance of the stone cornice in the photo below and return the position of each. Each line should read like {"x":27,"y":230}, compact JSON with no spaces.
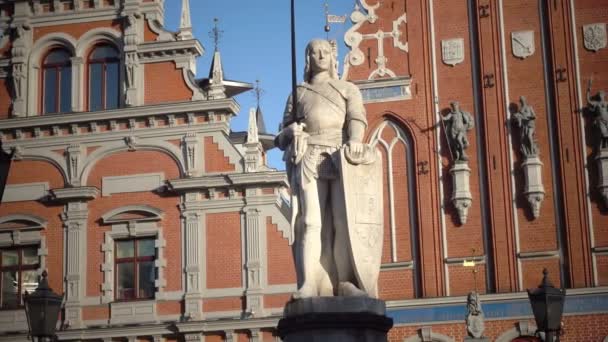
{"x":227,"y":324}
{"x":73,"y":17}
{"x":227,"y":105}
{"x":226,"y":180}
{"x":151,"y":51}
{"x":66,"y":194}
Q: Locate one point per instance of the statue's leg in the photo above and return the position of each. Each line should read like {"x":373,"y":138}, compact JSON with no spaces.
{"x":313,"y":198}
{"x":347,"y":280}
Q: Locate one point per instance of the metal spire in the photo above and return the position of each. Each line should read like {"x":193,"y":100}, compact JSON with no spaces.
{"x":258,"y":92}
{"x":216,"y":33}
{"x":185,"y":24}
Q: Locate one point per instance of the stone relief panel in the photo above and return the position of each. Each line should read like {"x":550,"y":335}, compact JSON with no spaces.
{"x":594,"y":36}
{"x":522,"y":43}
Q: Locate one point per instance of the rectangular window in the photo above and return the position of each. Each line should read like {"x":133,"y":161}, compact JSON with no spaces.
{"x":135,"y":271}
{"x":112,"y":91}
{"x":50,"y":91}
{"x":18,"y":267}
{"x":66,"y":90}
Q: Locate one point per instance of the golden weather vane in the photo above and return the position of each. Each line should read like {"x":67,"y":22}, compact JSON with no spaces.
{"x":332,"y":19}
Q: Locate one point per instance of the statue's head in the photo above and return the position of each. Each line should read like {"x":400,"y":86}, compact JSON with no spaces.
{"x":522,"y":99}
{"x":455,"y":105}
{"x":319,"y":57}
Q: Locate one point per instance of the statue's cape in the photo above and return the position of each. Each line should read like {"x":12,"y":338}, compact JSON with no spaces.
{"x":364,"y":215}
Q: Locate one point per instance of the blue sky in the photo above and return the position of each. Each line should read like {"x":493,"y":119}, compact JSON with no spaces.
{"x":256,"y":45}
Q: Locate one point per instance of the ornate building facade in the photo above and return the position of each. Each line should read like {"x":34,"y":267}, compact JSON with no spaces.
{"x":157,"y":222}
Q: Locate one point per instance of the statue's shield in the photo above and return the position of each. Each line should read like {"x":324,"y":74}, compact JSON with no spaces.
{"x":364,"y":216}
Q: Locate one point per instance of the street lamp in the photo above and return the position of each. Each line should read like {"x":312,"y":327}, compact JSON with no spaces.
{"x":548,"y":306}
{"x":5,"y":165}
{"x":42,"y":310}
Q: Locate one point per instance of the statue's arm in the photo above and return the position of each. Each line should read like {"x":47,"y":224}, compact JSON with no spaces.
{"x":283,"y":138}
{"x":355,"y":115}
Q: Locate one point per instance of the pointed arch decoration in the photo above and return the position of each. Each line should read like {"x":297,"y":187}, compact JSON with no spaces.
{"x":401,"y":208}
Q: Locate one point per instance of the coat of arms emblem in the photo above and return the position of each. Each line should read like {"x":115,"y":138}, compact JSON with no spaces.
{"x":452,"y":51}
{"x":594,"y":36}
{"x":522,"y":43}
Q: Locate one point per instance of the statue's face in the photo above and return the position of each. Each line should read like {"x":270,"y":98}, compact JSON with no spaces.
{"x":320,"y":56}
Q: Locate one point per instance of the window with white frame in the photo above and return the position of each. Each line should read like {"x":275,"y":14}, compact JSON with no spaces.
{"x":133,"y":254}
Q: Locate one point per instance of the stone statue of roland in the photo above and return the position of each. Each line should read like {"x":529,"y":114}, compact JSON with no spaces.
{"x":335,"y":181}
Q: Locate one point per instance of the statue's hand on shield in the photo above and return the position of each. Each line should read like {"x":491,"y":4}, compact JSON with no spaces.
{"x":359,"y":153}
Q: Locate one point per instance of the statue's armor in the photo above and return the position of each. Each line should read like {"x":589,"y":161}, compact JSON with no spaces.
{"x":326,"y":109}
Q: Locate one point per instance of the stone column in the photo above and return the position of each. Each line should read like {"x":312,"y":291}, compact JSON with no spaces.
{"x":193,"y":259}
{"x":78,"y":85}
{"x":253,"y":263}
{"x":19,"y":57}
{"x":75,"y":236}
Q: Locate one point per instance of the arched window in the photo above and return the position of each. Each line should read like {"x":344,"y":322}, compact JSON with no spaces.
{"x":57,"y":82}
{"x":104,"y":67}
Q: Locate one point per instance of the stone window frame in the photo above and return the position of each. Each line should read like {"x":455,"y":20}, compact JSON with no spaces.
{"x":13,"y":320}
{"x":147,"y":226}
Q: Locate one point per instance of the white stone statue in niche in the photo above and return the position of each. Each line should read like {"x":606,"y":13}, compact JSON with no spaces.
{"x":336,"y":183}
{"x":525,"y":119}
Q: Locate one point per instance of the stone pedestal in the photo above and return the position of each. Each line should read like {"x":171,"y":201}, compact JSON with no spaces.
{"x":344,"y":319}
{"x":534,"y":190}
{"x":461,"y":195}
{"x":602,"y":182}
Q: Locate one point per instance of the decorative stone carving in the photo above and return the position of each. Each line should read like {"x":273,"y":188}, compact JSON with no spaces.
{"x":594,"y":36}
{"x":190,"y":147}
{"x":461,"y":194}
{"x":522,"y":43}
{"x":353,"y":39}
{"x":131,"y":142}
{"x":132,"y":64}
{"x":20,"y":49}
{"x":74,"y":156}
{"x":475,"y":317}
{"x":452,"y":51}
{"x":327,"y":158}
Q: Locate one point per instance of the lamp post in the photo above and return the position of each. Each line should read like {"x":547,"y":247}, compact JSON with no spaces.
{"x":42,"y":310}
{"x":5,"y":165}
{"x":548,"y":306}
